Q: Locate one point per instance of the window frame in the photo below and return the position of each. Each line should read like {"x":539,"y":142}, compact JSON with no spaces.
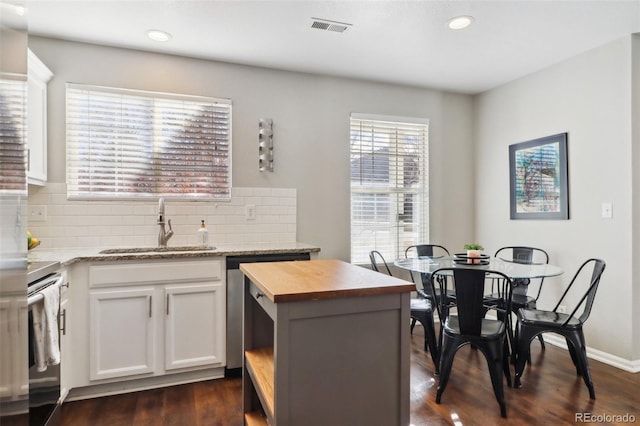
{"x":157,"y":165}
{"x":394,"y":246}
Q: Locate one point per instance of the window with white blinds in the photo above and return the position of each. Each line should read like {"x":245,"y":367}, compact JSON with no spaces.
{"x":389,"y":185}
{"x":13,"y":166}
{"x":135,"y":144}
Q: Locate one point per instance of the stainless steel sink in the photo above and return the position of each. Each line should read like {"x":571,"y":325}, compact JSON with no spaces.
{"x":155,"y":249}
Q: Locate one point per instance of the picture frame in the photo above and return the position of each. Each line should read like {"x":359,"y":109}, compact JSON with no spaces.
{"x":539,"y":179}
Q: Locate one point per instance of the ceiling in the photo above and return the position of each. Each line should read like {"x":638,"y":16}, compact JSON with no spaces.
{"x":406,"y":42}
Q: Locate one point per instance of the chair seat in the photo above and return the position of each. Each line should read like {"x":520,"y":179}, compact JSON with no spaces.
{"x":517,"y":300}
{"x":420,"y":305}
{"x":547,"y":319}
{"x":490,"y":329}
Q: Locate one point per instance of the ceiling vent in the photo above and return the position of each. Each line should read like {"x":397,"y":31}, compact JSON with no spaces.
{"x":327,"y":25}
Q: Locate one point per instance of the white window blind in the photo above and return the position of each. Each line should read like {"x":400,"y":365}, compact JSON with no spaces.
{"x":13,"y":166}
{"x":134,"y":144}
{"x":389,"y":197}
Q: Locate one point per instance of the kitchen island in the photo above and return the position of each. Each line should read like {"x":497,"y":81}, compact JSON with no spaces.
{"x":326,"y":342}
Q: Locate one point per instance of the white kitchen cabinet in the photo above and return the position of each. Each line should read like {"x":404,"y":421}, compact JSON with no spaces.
{"x":143,"y":324}
{"x":38,"y":77}
{"x":65,"y":342}
{"x":193,"y":314}
{"x":13,"y":351}
{"x":123,"y":331}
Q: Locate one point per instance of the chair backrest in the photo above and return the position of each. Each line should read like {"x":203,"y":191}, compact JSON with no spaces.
{"x":431,"y":250}
{"x":523,"y":254}
{"x":590,"y":295}
{"x":468,"y":284}
{"x":377,"y":262}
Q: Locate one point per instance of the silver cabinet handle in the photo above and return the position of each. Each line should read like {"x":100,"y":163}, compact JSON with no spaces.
{"x":167,"y":304}
{"x":150,"y":299}
{"x":63,"y":320}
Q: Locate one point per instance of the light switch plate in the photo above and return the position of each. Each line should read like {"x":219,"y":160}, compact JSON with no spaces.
{"x":607,"y":210}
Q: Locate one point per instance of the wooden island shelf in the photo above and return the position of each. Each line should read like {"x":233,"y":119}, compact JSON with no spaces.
{"x":326,"y":342}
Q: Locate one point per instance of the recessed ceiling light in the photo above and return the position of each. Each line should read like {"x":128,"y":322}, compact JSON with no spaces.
{"x":158,"y":35}
{"x":20,"y":10}
{"x":460,"y":22}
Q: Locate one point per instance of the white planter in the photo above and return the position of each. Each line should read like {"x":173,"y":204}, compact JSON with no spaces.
{"x":473,"y":253}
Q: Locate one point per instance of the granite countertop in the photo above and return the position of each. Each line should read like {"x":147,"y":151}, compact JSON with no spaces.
{"x":68,"y":256}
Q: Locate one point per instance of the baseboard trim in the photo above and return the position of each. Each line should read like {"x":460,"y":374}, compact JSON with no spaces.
{"x":607,"y":358}
{"x":116,"y":388}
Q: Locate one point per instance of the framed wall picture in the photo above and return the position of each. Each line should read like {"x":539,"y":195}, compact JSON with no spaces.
{"x":538,"y":178}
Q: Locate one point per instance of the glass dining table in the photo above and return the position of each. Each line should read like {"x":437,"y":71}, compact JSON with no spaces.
{"x":514,"y":270}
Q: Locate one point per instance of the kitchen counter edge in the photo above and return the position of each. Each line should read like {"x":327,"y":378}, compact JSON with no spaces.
{"x":68,"y":257}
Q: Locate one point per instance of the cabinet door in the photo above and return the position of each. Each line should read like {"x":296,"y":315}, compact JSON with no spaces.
{"x":122,"y":333}
{"x":65,"y":348}
{"x":38,"y":77}
{"x":6,"y":354}
{"x":194,"y":326}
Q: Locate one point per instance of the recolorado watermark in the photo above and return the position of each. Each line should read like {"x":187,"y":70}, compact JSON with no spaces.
{"x":604,"y":418}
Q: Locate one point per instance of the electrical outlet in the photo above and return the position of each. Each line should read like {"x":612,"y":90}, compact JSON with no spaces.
{"x":607,"y":210}
{"x":37,"y":213}
{"x":562,"y":309}
{"x":250,"y":212}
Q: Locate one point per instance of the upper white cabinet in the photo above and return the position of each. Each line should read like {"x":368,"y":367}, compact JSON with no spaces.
{"x":38,"y":77}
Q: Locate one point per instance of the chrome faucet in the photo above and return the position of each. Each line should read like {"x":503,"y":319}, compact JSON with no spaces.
{"x":163,"y":236}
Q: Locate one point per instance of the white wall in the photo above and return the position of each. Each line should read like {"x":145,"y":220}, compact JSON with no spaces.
{"x":311,"y":128}
{"x":588,"y":96}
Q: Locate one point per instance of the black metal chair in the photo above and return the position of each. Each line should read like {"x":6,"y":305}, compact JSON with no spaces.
{"x":470,"y":326}
{"x":427,"y":250}
{"x":421,"y":310}
{"x":533,"y":322}
{"x":521,"y":298}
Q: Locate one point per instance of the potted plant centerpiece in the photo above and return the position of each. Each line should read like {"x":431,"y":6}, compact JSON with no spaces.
{"x":473,"y":250}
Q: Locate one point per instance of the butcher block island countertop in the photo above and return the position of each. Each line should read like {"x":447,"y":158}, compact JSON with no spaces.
{"x":320,"y":279}
{"x":326,"y":343}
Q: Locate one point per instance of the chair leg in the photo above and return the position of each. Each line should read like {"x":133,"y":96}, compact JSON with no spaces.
{"x":413,"y":324}
{"x":447,"y":353}
{"x":541,"y":342}
{"x":430,"y":340}
{"x":577,"y":341}
{"x":494,"y":352}
{"x":525,"y":336}
{"x":574,"y":356}
{"x":505,"y":363}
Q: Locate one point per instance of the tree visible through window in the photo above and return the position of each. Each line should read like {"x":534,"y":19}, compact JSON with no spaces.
{"x":132,"y":144}
{"x":389,"y":198}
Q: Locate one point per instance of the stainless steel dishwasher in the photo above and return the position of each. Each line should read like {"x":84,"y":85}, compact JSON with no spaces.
{"x":235,"y":291}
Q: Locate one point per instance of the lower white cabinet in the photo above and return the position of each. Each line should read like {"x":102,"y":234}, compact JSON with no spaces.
{"x":123,"y":332}
{"x":139,"y":320}
{"x":191,"y":318}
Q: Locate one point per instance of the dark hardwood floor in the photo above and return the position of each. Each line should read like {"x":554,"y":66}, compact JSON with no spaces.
{"x":551,"y":394}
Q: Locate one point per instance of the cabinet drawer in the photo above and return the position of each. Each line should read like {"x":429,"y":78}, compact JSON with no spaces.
{"x":257,"y":294}
{"x":137,"y":273}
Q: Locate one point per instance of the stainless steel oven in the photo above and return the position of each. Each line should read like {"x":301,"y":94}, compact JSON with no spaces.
{"x":44,"y":386}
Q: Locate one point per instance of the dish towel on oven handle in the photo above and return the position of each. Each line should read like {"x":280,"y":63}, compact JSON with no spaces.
{"x":45,"y":328}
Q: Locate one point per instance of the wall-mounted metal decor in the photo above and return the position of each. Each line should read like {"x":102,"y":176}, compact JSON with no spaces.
{"x":265,"y":145}
{"x":538,"y":178}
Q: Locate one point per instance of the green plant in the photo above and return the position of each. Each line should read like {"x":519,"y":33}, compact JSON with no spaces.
{"x":473,"y":246}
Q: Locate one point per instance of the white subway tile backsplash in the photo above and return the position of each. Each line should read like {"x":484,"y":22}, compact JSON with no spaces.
{"x":82,"y":223}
